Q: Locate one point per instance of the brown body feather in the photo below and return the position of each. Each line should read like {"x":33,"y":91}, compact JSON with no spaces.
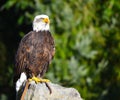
{"x":34,"y":54}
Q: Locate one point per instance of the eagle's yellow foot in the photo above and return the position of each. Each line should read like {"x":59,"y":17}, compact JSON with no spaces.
{"x":37,"y":80}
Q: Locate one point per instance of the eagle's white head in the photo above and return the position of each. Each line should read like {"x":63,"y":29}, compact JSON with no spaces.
{"x":41,"y":23}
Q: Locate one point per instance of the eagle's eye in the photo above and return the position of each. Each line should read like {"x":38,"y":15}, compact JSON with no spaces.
{"x":38,"y":20}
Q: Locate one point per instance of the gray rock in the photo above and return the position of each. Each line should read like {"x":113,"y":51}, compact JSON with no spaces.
{"x":41,"y":92}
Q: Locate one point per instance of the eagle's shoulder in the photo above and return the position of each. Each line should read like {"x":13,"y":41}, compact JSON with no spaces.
{"x":27,"y":36}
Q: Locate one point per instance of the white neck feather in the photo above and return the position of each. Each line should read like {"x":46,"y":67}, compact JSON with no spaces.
{"x":41,"y":26}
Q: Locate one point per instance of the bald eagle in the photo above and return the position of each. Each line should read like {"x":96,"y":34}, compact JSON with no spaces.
{"x":34,"y":53}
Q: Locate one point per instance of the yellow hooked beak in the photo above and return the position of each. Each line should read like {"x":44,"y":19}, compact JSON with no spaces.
{"x":46,"y":20}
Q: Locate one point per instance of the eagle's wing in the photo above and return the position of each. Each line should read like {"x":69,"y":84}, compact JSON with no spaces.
{"x":21,"y":56}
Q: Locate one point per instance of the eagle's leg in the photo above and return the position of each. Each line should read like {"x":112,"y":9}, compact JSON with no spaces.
{"x":38,"y":80}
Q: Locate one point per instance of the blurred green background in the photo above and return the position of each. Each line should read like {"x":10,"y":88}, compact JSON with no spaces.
{"x":87,"y":38}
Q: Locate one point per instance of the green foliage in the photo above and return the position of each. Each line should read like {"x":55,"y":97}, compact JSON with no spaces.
{"x":87,"y":38}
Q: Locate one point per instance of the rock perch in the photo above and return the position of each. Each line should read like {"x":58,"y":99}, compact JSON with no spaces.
{"x":41,"y":92}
